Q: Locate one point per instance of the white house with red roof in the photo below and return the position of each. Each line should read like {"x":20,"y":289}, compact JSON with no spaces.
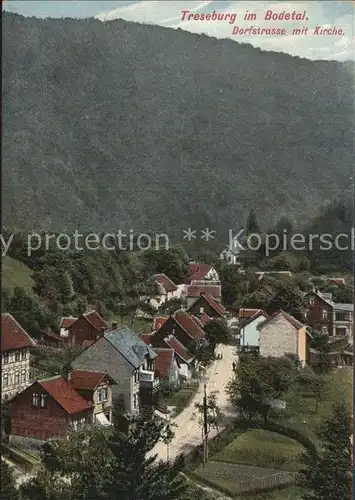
{"x":166,"y":366}
{"x":201,"y":272}
{"x":248,"y":332}
{"x":15,"y":362}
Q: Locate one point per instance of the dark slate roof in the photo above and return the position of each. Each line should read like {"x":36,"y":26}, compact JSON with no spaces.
{"x":132,"y":348}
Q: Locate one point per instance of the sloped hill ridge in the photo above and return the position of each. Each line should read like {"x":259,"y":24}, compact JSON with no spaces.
{"x":120,"y":125}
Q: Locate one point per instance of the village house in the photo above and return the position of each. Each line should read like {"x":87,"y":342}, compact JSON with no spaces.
{"x":129,"y":362}
{"x":282,"y":334}
{"x":206,"y":304}
{"x":89,"y":326}
{"x":96,"y":388}
{"x":186,"y":361}
{"x":194,"y":291}
{"x":248,"y":328}
{"x":48,"y":409}
{"x":201,"y":272}
{"x":187,"y":329}
{"x":64,"y":324}
{"x":169,"y":289}
{"x":51,"y":339}
{"x":327,"y":316}
{"x":15,"y":359}
{"x":167,"y":367}
{"x":340,"y":353}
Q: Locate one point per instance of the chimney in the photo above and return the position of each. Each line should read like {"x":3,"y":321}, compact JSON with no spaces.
{"x":114,"y":326}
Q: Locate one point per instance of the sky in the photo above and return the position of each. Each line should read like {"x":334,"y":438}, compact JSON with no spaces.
{"x":338,"y":14}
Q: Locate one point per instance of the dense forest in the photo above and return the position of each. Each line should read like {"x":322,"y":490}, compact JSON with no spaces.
{"x":121,"y":125}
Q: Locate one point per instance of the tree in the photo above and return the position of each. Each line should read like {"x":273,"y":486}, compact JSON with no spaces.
{"x":329,"y":477}
{"x":8,"y":487}
{"x":312,"y":384}
{"x":258,"y":381}
{"x":136,"y":474}
{"x":217,"y":332}
{"x":79,"y":468}
{"x":214,"y":413}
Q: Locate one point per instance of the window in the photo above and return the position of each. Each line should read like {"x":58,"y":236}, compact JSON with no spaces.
{"x":5,"y":358}
{"x":24,"y":354}
{"x":136,"y":377}
{"x":23,"y":376}
{"x":324,"y":314}
{"x":35,"y":400}
{"x":324,"y":329}
{"x":311,"y":302}
{"x":17,"y":378}
{"x":102,"y":395}
{"x":202,"y":310}
{"x":43,"y":401}
{"x":5,"y":380}
{"x":306,"y":313}
{"x":135,"y":401}
{"x":17,"y":356}
{"x":341,"y":332}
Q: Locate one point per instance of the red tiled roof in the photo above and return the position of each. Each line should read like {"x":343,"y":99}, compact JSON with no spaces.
{"x":95,"y":319}
{"x":189,"y":324}
{"x":67,"y":322}
{"x":196,"y":290}
{"x":203,"y":318}
{"x":147,"y":337}
{"x":163,"y":361}
{"x":294,"y":322}
{"x":54,"y":336}
{"x":87,"y":380}
{"x":336,"y":281}
{"x":166,"y":282}
{"x":64,"y":394}
{"x":13,"y":336}
{"x":87,"y":343}
{"x":198,"y":271}
{"x":214,"y":304}
{"x":179,"y":349}
{"x":248,"y":313}
{"x":158,"y":322}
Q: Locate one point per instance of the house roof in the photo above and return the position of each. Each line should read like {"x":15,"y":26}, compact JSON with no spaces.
{"x":66,"y":322}
{"x":189,"y":324}
{"x":294,"y":322}
{"x":65,"y":395}
{"x":335,"y":281}
{"x":198,"y":271}
{"x":87,"y":380}
{"x":248,"y":313}
{"x":196,"y":290}
{"x":245,"y":322}
{"x":203,"y":318}
{"x":163,"y":361}
{"x":13,"y":336}
{"x":147,"y":338}
{"x":179,"y":349}
{"x":158,"y":322}
{"x":130,"y":346}
{"x":216,"y":306}
{"x":166,"y":282}
{"x":94,"y":318}
{"x":54,"y":336}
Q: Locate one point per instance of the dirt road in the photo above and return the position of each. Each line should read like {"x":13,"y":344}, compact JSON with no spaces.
{"x":188,"y":432}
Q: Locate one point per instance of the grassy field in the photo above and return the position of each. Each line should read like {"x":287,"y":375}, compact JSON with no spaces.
{"x":15,"y":273}
{"x":263,"y":448}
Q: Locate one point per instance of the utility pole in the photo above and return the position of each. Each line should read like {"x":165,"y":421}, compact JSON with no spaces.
{"x":205,"y":427}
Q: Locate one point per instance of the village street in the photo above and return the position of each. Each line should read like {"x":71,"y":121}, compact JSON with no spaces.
{"x":188,"y":431}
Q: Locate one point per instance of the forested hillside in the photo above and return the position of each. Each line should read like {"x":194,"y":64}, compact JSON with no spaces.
{"x":120,"y":125}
